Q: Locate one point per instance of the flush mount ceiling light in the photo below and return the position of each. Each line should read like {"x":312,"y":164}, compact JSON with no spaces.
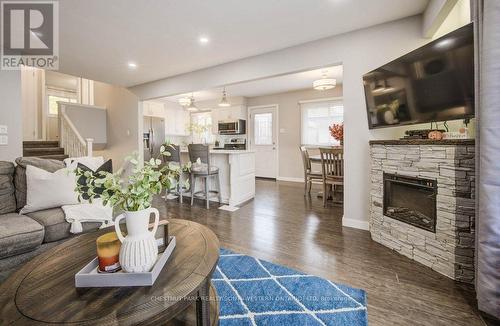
{"x":132,"y":65}
{"x":184,"y":101}
{"x":324,"y":83}
{"x":204,"y":40}
{"x":192,"y":107}
{"x":224,"y":103}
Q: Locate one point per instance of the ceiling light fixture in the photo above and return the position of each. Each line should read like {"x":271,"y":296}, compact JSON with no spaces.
{"x":224,"y":103}
{"x":132,"y":65}
{"x":192,"y":107}
{"x":184,"y":101}
{"x":324,"y":83}
{"x":204,"y":40}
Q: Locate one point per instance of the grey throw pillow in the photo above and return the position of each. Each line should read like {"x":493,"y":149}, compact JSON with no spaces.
{"x":7,"y":197}
{"x":20,"y":174}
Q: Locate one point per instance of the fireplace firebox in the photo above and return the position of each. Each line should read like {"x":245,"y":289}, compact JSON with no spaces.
{"x":411,"y":200}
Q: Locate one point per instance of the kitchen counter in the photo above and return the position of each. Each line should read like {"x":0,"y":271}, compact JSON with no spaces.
{"x":225,"y":151}
{"x":236,"y":173}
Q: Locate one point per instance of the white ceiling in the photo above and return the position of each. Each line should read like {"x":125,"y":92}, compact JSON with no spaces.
{"x":273,"y":85}
{"x":98,"y":38}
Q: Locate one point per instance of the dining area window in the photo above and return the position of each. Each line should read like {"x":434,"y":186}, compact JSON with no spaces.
{"x":316,"y":117}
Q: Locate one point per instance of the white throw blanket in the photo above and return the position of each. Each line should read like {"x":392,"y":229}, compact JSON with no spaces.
{"x":86,"y":212}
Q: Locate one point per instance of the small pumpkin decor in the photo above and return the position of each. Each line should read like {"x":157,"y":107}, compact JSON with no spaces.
{"x":337,"y":132}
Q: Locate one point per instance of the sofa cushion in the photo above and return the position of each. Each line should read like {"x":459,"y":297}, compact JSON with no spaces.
{"x":56,"y":227}
{"x":20,"y":174}
{"x":7,"y":190}
{"x":18,"y":234}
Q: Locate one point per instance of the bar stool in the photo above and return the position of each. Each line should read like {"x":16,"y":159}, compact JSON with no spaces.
{"x":201,"y":169}
{"x":174,"y":160}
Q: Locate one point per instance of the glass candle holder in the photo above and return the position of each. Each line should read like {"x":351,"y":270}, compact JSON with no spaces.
{"x":108,"y":252}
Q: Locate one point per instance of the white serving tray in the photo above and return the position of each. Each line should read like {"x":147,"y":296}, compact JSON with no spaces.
{"x":88,"y":277}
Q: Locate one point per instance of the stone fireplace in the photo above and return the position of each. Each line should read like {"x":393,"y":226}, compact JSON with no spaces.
{"x":422,"y":202}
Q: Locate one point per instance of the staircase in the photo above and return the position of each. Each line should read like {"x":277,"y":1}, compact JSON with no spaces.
{"x":44,"y":149}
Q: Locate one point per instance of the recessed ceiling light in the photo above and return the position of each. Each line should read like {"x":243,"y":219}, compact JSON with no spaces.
{"x":132,"y":65}
{"x":204,"y":40}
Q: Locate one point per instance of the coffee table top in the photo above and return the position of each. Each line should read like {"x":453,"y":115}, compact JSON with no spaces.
{"x":43,"y":290}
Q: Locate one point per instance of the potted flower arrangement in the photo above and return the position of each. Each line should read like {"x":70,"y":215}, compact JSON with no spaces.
{"x":134,"y":195}
{"x":337,"y":132}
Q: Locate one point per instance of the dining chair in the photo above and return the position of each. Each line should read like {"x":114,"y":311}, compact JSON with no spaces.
{"x":309,"y":175}
{"x":332,"y":168}
{"x":199,"y":155}
{"x":174,"y":159}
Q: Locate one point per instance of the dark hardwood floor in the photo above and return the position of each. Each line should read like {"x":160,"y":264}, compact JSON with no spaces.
{"x":283,"y":226}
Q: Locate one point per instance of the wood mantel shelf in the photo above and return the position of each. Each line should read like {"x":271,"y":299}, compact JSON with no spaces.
{"x":423,"y":142}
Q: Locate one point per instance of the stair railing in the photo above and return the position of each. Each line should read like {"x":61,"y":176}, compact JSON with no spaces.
{"x":70,"y":139}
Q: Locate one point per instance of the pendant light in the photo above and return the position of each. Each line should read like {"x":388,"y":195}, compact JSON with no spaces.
{"x":184,"y":101}
{"x":192,"y":107}
{"x":224,"y":102}
{"x":324,"y":83}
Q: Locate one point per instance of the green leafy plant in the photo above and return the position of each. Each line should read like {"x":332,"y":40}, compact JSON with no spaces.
{"x":134,"y":192}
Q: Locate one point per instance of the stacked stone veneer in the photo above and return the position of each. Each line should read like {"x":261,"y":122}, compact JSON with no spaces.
{"x":449,"y":251}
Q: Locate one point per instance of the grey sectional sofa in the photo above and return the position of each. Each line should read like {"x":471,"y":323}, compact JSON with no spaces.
{"x":25,"y":236}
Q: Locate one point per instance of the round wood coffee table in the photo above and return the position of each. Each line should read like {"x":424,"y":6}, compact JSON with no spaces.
{"x":43,"y":291}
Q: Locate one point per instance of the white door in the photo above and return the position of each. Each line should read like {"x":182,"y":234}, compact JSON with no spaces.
{"x":263,"y":140}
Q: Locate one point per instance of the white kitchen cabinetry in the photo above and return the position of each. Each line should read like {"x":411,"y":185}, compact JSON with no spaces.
{"x":153,"y":109}
{"x":227,"y":114}
{"x":176,"y":122}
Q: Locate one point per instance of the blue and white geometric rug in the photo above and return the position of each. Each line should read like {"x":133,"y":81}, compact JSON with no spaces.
{"x":255,"y":292}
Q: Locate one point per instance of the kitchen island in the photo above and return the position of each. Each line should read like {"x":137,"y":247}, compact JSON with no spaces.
{"x":236,"y":173}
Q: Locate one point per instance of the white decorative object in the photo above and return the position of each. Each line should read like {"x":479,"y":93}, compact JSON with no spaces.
{"x":48,"y":190}
{"x":139,"y":250}
{"x":88,"y":212}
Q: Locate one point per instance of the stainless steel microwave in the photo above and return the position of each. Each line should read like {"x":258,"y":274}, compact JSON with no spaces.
{"x":233,"y":127}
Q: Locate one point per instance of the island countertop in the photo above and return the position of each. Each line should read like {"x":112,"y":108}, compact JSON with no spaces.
{"x":225,"y":151}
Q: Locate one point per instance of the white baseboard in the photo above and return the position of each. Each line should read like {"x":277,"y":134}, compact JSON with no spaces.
{"x":290,"y":179}
{"x":356,"y":224}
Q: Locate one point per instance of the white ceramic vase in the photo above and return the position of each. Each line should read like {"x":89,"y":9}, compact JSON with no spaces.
{"x":139,"y":250}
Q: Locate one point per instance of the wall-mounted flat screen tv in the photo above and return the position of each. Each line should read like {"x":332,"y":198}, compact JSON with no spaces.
{"x":432,"y":83}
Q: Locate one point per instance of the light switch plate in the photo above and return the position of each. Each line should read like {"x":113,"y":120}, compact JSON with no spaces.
{"x":3,"y":129}
{"x":4,"y":140}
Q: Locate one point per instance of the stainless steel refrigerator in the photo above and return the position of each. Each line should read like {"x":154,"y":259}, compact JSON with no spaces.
{"x":154,"y":136}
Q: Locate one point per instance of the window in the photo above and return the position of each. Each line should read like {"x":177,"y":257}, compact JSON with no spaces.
{"x":317,"y":116}
{"x":263,"y":129}
{"x":201,"y":128}
{"x":56,"y":95}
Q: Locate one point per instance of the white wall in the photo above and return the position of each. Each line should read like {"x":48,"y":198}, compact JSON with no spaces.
{"x":123,"y":121}
{"x":290,"y":162}
{"x":11,"y":114}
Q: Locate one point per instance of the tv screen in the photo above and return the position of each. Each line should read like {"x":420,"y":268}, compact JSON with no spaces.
{"x":432,"y":83}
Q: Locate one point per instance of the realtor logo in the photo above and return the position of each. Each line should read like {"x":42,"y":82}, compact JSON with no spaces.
{"x":30,"y":34}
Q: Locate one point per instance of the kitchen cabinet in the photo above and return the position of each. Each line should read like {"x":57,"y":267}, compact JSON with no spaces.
{"x":176,"y":121}
{"x":227,"y":114}
{"x":153,"y":109}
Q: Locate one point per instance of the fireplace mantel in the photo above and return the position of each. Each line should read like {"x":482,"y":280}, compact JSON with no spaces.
{"x":451,"y":163}
{"x":423,"y":142}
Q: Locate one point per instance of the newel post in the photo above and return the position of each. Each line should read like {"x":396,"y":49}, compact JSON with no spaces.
{"x":89,"y":146}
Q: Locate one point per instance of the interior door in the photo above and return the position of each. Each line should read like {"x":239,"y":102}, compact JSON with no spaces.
{"x":263,"y":140}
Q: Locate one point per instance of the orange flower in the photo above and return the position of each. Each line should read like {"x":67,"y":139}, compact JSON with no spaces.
{"x":337,"y":131}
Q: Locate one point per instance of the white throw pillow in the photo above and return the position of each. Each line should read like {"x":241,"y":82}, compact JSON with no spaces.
{"x":92,"y":163}
{"x":48,"y":190}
